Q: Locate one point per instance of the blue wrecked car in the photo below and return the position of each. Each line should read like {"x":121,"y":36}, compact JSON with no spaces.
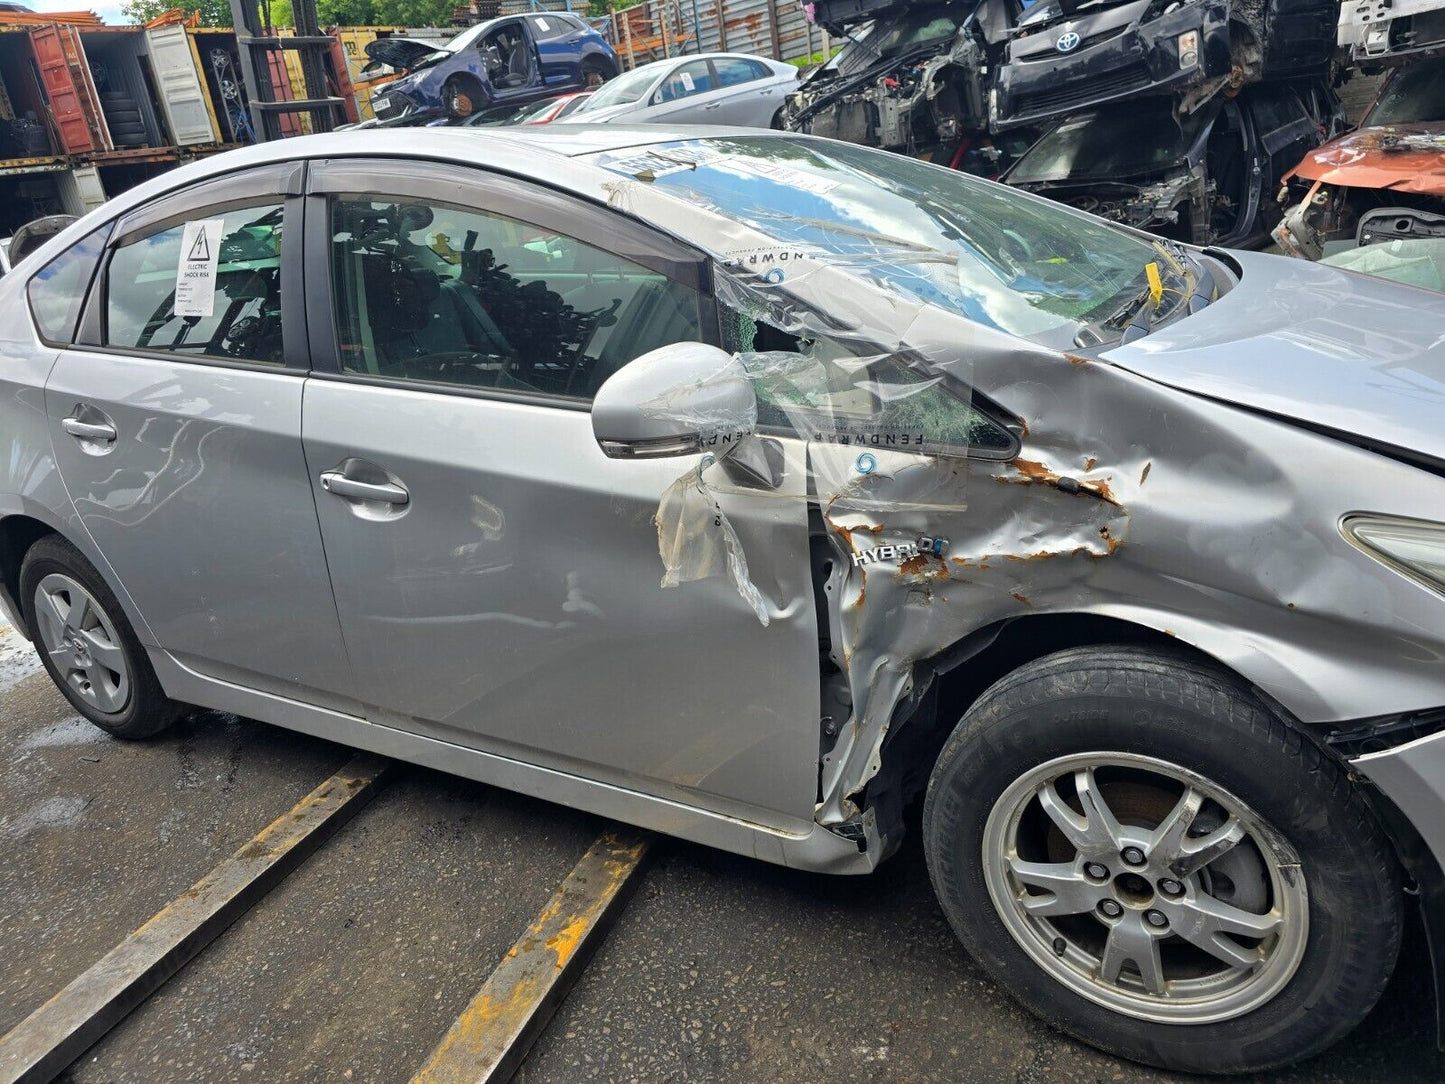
{"x":507,"y":61}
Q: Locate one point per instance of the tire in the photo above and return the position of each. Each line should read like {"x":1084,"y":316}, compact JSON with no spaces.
{"x":460,"y":98}
{"x":1130,"y":725}
{"x":595,"y":72}
{"x":123,"y":116}
{"x":124,"y":699}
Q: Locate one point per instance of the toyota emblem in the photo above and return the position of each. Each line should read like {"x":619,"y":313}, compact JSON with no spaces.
{"x":1068,"y":42}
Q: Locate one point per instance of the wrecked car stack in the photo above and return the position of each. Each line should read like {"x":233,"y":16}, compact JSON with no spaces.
{"x":1385,"y":181}
{"x":1222,"y":99}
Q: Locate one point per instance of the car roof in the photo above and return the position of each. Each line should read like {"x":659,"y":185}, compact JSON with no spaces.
{"x":546,"y":154}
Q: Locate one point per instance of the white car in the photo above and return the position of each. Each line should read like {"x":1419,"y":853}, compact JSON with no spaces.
{"x":1384,"y":31}
{"x":707,"y":88}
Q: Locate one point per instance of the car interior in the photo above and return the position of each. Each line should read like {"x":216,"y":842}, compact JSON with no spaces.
{"x":464,"y":297}
{"x":508,"y":57}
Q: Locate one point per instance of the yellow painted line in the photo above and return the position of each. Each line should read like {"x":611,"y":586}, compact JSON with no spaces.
{"x":42,"y":1045}
{"x":491,"y":1037}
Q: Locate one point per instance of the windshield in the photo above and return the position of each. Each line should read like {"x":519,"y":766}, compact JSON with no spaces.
{"x":467,"y":36}
{"x":1111,"y":144}
{"x":625,"y":89}
{"x":1413,"y":95}
{"x":990,"y":253}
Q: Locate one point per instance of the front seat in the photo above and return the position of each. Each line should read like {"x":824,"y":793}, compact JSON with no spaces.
{"x":519,"y":71}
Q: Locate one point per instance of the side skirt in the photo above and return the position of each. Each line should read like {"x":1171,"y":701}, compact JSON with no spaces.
{"x":818,"y":850}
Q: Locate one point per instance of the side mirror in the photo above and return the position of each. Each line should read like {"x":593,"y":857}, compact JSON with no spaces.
{"x":675,"y":400}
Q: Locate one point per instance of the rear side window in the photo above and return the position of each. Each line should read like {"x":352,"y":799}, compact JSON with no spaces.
{"x":57,"y":290}
{"x":732,"y":71}
{"x":231,"y":305}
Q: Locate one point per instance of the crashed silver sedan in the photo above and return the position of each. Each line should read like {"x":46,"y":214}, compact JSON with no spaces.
{"x":752,"y":487}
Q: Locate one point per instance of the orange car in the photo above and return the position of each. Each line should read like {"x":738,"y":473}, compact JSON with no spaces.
{"x":1385,"y":180}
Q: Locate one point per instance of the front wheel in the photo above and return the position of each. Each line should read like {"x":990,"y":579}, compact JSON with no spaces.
{"x":460,"y":98}
{"x":1144,"y":856}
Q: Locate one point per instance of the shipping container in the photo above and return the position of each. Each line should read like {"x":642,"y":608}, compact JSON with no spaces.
{"x":120,"y":70}
{"x":26,"y":130}
{"x":183,"y":95}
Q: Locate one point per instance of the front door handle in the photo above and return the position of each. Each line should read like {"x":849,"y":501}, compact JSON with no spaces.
{"x":712,"y":105}
{"x":88,"y":430}
{"x":342,"y":486}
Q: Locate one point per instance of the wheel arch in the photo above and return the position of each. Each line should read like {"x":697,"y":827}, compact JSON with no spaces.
{"x":17,"y":534}
{"x":21,"y":529}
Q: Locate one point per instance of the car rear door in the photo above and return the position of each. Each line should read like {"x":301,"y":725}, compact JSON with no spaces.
{"x":746,"y":90}
{"x":176,"y":423}
{"x":497,"y":576}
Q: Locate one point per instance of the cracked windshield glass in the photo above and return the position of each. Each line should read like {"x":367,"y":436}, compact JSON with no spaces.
{"x":999,"y":257}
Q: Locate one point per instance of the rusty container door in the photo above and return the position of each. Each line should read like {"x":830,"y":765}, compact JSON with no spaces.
{"x":281,"y":91}
{"x":341,"y":80}
{"x":66,"y":104}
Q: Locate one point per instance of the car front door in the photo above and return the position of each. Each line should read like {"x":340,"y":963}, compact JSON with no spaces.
{"x":498,"y":577}
{"x":688,"y":95}
{"x":176,"y":424}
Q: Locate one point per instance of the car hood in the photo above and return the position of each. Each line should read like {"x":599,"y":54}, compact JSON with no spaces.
{"x":1325,"y":347}
{"x":1051,"y":12}
{"x":598,"y":116}
{"x":1403,"y":158}
{"x":401,"y":53}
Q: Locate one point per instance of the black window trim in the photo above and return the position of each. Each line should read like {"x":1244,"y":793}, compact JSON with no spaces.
{"x":536,"y":205}
{"x":252,"y":187}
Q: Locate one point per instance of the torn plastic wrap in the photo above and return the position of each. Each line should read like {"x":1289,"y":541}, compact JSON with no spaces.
{"x":694,"y":537}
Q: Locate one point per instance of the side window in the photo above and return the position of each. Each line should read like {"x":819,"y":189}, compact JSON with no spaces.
{"x":230,"y":305}
{"x":436,"y":293}
{"x":734,"y":70}
{"x":547,"y":27}
{"x":688,"y":79}
{"x":829,"y":393}
{"x":57,"y":290}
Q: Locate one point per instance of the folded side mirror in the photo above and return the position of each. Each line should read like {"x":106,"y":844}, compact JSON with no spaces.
{"x":675,"y":400}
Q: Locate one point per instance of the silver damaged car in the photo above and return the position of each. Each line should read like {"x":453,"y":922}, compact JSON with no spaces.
{"x":761,"y":490}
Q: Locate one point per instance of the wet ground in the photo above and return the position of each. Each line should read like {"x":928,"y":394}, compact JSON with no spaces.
{"x":720,"y":968}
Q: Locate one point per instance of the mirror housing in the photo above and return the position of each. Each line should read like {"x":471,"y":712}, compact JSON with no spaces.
{"x":675,"y":400}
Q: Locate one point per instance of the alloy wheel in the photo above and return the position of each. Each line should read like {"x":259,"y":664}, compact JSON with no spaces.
{"x":81,"y":642}
{"x":1145,"y":887}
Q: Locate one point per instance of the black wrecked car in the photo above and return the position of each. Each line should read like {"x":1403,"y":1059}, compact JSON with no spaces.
{"x":1206,"y":177}
{"x":1066,"y":55}
{"x":912,"y":78}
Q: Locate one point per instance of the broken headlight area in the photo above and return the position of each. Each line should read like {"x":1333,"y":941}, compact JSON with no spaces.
{"x":1321,"y":219}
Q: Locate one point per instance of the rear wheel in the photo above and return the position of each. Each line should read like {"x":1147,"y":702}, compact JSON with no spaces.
{"x":87,"y":645}
{"x":1146,"y":857}
{"x":595,"y":72}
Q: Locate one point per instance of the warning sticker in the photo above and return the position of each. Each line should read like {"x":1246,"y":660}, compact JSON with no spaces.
{"x":785,"y":175}
{"x":687,"y":80}
{"x":196,"y":272}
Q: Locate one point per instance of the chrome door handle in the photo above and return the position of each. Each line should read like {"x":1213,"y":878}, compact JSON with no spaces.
{"x":342,"y":486}
{"x":88,"y":430}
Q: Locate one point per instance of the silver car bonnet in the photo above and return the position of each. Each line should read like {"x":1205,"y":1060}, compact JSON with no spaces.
{"x":1326,"y":347}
